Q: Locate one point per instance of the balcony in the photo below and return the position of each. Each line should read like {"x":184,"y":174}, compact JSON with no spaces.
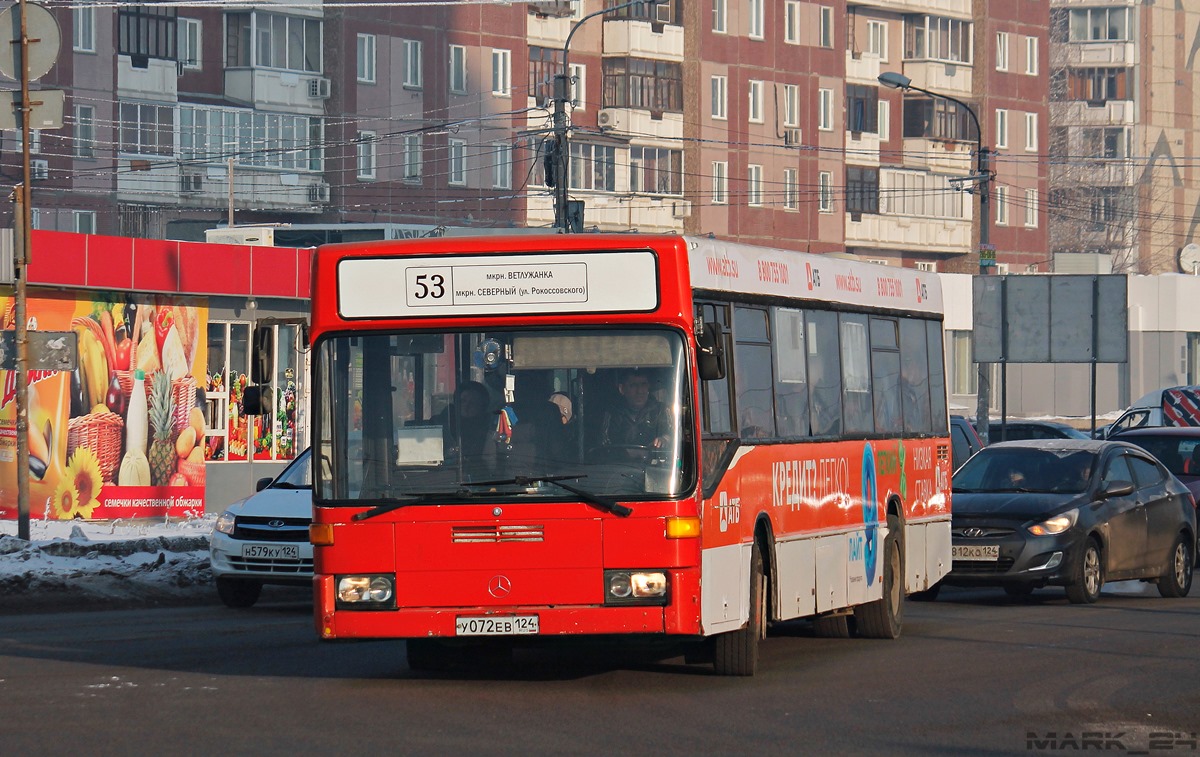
{"x":157,"y":81}
{"x":862,"y":148}
{"x":862,"y":68}
{"x":621,"y":122}
{"x":610,"y":212}
{"x":955,"y":8}
{"x":942,"y":235}
{"x":167,"y":185}
{"x":639,"y":39}
{"x":549,"y":31}
{"x":1095,"y":54}
{"x":1114,"y":172}
{"x":300,"y":94}
{"x":951,"y":78}
{"x":1085,"y":113}
{"x":939,"y":155}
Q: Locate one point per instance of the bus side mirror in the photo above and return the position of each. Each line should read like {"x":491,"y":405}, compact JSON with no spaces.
{"x":262,"y":354}
{"x":255,"y":401}
{"x":710,"y":350}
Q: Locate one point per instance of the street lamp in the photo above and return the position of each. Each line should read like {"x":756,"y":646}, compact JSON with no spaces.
{"x":987,"y":257}
{"x":562,"y":94}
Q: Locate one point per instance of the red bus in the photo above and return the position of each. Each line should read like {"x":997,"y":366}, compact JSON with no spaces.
{"x":534,"y":436}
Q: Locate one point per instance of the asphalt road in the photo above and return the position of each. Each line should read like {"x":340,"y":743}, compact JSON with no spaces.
{"x":972,"y":673}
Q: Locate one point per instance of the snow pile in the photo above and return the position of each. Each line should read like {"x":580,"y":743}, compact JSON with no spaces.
{"x":67,"y":564}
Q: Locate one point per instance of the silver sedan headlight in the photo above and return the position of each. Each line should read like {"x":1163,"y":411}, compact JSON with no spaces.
{"x":226,"y":523}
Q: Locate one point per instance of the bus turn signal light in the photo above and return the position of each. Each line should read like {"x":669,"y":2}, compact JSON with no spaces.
{"x":681,"y":527}
{"x":320,"y":534}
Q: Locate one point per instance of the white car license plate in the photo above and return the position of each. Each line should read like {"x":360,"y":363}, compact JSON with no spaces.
{"x":271,"y":552}
{"x":496,"y":625}
{"x":975,"y":552}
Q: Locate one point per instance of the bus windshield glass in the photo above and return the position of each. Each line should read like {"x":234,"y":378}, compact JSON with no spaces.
{"x":444,"y":417}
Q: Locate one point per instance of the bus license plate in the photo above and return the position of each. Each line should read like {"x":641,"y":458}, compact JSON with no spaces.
{"x":975,"y":552}
{"x":273,"y":552}
{"x":496,"y":625}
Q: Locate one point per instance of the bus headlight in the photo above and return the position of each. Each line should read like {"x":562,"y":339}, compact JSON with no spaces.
{"x":376,"y":592}
{"x":624,"y":587}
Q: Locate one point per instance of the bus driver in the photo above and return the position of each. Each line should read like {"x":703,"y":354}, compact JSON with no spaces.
{"x":639,"y":420}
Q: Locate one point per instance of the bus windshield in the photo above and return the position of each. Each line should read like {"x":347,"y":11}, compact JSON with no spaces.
{"x":450,"y":416}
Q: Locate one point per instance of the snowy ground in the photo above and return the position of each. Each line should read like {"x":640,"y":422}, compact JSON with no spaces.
{"x":110,"y":564}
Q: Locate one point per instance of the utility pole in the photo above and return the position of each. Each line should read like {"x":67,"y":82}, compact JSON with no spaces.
{"x":560,"y":157}
{"x":24,"y":205}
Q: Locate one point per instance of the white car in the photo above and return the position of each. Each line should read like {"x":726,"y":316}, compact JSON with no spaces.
{"x":263,"y":539}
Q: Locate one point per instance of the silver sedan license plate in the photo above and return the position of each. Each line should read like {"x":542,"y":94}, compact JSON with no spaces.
{"x":496,"y":625}
{"x":975,"y":552}
{"x":271,"y":552}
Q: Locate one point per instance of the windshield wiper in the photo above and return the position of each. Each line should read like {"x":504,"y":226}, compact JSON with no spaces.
{"x":603,"y":503}
{"x":388,"y":504}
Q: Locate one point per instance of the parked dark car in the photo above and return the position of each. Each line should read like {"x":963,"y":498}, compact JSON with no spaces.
{"x":1072,"y":513}
{"x":964,"y":440}
{"x":1176,"y":447}
{"x":1022,"y":429}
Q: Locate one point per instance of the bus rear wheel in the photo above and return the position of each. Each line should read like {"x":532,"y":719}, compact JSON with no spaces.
{"x":883,"y":618}
{"x":735,"y":653}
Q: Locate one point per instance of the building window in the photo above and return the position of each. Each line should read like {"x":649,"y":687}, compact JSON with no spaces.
{"x":935,"y":118}
{"x":147,"y":129}
{"x":756,"y":101}
{"x":791,"y":189}
{"x":655,"y":170}
{"x":791,"y":105}
{"x":1031,"y":55}
{"x":1031,"y":132}
{"x":255,"y":138}
{"x":1031,"y":208}
{"x":1001,"y":128}
{"x":825,"y":32}
{"x":862,"y":108}
{"x":1099,"y":85}
{"x":502,"y":72}
{"x":458,"y":69}
{"x":578,"y":85}
{"x":920,"y":194}
{"x":458,"y":162}
{"x":929,"y":266}
{"x":885,"y":120}
{"x":502,"y":165}
{"x":877,"y":39}
{"x":366,"y":58}
{"x":85,"y":221}
{"x":756,"y":19}
{"x":825,"y":109}
{"x":720,"y":94}
{"x":1099,"y":24}
{"x":862,"y":189}
{"x":791,"y":22}
{"x":413,"y":76}
{"x":1001,"y":205}
{"x":146,"y":31}
{"x":284,"y":42}
{"x":825,"y":192}
{"x":593,"y":167}
{"x":1105,"y":142}
{"x":656,"y":85}
{"x":754,"y":185}
{"x":544,"y":64}
{"x":719,"y":14}
{"x":85,"y":131}
{"x":83,"y":34}
{"x":365,"y":149}
{"x":412,"y":157}
{"x":1001,"y":51}
{"x":189,"y":43}
{"x":937,"y":38}
{"x":720,"y":182}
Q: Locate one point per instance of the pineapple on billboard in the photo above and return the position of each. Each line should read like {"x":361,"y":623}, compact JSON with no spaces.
{"x":123,"y":434}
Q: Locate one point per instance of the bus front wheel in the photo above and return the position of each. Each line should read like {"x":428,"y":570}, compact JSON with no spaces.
{"x":883,"y":618}
{"x":735,"y":653}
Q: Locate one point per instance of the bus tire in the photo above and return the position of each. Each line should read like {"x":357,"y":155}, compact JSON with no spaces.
{"x":883,"y":618}
{"x":735,"y":653}
{"x":832,"y":627}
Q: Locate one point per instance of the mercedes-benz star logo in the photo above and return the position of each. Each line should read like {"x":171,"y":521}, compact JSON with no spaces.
{"x":499,"y":586}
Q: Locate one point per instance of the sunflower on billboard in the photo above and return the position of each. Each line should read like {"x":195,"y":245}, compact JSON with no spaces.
{"x":78,"y":494}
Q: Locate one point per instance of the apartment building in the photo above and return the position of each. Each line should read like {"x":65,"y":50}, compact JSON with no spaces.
{"x":1125,"y":111}
{"x":761,"y":121}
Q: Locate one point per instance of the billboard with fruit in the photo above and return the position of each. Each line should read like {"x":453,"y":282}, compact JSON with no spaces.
{"x":123,"y":434}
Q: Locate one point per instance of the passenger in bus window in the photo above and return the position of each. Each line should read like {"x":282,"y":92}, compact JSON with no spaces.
{"x":467,"y":423}
{"x":639,"y":420}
